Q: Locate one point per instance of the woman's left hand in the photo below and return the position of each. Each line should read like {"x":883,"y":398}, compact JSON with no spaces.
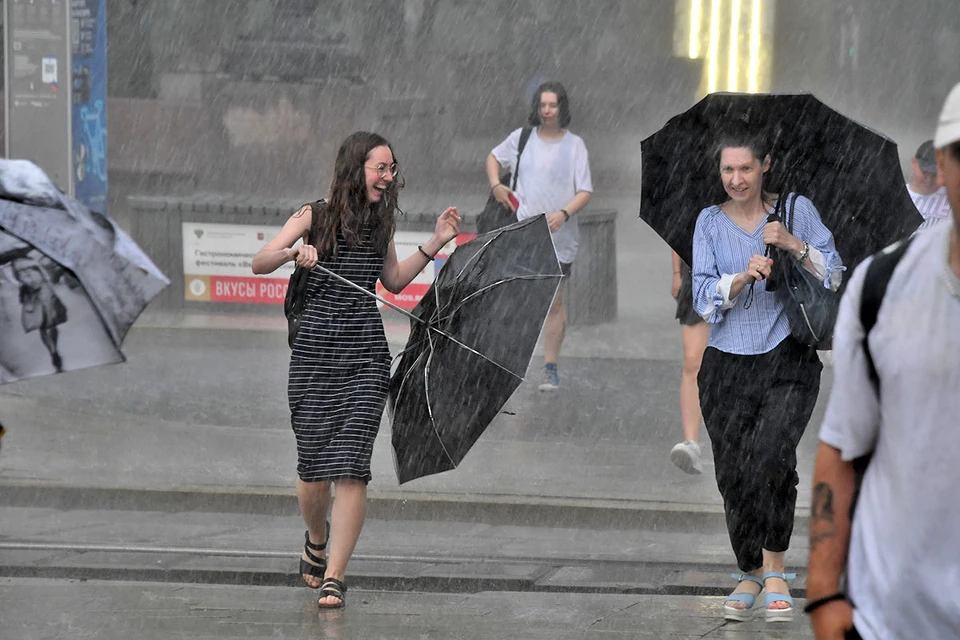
{"x":448,"y":225}
{"x":555,"y":220}
{"x":774,"y":233}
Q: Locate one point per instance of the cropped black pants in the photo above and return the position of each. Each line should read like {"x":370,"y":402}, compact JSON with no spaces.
{"x":756,"y":409}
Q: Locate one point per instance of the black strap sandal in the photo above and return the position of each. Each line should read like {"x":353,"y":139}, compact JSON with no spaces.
{"x":332,"y":587}
{"x":320,"y":568}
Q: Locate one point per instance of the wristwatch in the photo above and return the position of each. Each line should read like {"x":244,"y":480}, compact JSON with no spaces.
{"x":806,"y":252}
{"x":566,"y":216}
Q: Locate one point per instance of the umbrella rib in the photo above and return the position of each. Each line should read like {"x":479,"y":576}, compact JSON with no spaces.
{"x":426,"y":391}
{"x":497,"y":284}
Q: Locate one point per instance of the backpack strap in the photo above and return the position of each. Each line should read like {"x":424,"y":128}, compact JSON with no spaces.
{"x":524,"y":136}
{"x":315,"y":211}
{"x":875,"y":285}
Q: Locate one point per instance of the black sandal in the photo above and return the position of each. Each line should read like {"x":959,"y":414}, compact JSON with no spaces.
{"x":316,"y":570}
{"x":332,"y":587}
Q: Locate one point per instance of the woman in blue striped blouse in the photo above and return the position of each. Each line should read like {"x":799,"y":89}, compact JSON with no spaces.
{"x":758,"y":385}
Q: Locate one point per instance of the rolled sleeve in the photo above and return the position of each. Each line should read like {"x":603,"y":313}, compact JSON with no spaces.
{"x":852,"y":419}
{"x":827,"y":265}
{"x":711,"y":289}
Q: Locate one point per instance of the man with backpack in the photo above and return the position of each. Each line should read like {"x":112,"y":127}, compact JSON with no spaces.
{"x":892,"y":421}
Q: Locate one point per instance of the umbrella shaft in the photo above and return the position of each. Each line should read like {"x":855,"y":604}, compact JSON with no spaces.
{"x":369,"y":293}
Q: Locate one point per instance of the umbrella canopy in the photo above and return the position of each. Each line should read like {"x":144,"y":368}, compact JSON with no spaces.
{"x":71,"y":282}
{"x":471,"y":345}
{"x":851,"y":173}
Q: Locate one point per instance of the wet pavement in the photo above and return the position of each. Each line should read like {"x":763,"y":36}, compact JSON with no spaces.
{"x":151,"y":611}
{"x":155,"y":498}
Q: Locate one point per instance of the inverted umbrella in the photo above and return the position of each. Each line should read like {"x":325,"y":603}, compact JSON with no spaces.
{"x":71,"y":282}
{"x":470,"y":345}
{"x":851,"y":173}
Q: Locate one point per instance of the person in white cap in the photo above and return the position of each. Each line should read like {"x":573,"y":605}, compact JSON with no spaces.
{"x":893,"y":411}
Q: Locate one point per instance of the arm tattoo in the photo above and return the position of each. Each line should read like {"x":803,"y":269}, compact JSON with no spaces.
{"x":822,"y":503}
{"x":821,"y":515}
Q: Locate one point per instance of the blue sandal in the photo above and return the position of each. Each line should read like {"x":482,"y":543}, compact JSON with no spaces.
{"x":778,"y":615}
{"x":748,"y":599}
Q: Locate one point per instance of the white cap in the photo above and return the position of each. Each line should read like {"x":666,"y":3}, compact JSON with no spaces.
{"x":948,"y":129}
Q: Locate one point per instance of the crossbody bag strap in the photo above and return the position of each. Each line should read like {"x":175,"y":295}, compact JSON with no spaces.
{"x":524,"y":136}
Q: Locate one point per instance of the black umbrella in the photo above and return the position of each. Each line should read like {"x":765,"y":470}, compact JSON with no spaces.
{"x":71,"y":282}
{"x":851,"y":173}
{"x":470,"y":345}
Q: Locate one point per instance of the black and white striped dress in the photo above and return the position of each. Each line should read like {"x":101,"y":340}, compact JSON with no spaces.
{"x":339,"y":369}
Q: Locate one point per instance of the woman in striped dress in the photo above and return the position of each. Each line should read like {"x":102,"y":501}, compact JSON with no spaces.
{"x":340,"y":364}
{"x":758,"y":385}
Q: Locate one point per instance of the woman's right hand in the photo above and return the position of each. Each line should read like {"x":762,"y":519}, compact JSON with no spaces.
{"x":675,"y":287}
{"x":501,"y":193}
{"x":305,"y":255}
{"x":758,"y":268}
{"x":832,"y":621}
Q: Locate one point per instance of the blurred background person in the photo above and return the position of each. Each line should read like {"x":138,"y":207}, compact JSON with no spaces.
{"x":554,"y":179}
{"x":694,"y":333}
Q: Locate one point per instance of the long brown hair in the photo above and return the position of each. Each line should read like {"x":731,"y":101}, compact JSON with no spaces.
{"x":348,"y":209}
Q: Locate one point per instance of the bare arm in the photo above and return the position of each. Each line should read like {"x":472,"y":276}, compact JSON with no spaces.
{"x":278,"y":251}
{"x":499,"y":190}
{"x":833,"y":489}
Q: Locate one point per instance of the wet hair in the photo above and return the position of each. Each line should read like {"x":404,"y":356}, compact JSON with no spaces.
{"x":348,"y":208}
{"x":740,"y":136}
{"x":563,"y":102}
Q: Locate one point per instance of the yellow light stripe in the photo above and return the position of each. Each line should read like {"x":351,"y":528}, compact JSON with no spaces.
{"x":714,"y":46}
{"x":696,"y":18}
{"x":733,"y":64}
{"x":755,"y":25}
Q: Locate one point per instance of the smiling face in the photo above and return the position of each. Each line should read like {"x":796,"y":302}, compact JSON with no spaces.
{"x":742,"y":173}
{"x":379,"y":158}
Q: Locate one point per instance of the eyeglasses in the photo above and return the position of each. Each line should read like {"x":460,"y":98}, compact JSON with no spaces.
{"x":382,"y":169}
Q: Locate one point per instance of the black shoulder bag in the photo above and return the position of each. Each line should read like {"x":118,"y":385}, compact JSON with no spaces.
{"x":494,"y":214}
{"x":810,"y":306}
{"x":296,"y":298}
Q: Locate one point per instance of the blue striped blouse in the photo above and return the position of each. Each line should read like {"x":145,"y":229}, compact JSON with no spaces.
{"x":721,"y":249}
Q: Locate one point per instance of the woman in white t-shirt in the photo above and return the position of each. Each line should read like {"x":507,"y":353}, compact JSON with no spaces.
{"x":553,"y":178}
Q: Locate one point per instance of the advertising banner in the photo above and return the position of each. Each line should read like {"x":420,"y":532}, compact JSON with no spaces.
{"x":217,"y":259}
{"x":88,"y":34}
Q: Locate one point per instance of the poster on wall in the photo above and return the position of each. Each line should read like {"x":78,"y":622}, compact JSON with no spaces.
{"x":217,"y":259}
{"x":88,"y":34}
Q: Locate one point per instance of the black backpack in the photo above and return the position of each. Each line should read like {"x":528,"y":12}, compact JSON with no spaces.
{"x":296,"y":299}
{"x":875,"y":285}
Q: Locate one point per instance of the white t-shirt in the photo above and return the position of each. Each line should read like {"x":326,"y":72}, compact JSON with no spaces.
{"x":551,"y":174}
{"x":933,"y":207}
{"x":904,"y":562}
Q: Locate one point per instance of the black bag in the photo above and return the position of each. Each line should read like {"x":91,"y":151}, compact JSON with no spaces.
{"x":296,"y":298}
{"x":810,"y":306}
{"x":495,"y":215}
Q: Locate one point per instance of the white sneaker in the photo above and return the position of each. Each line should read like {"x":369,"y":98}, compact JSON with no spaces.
{"x":686,"y":455}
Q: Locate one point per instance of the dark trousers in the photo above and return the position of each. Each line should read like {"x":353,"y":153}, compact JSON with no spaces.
{"x":755,"y":409}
